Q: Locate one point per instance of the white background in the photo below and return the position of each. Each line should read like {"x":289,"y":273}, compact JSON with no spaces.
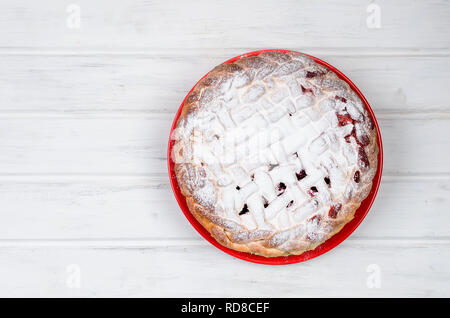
{"x":85,"y":110}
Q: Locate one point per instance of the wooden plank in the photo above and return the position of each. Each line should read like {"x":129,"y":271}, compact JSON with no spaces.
{"x":84,"y":121}
{"x":144,"y":208}
{"x":137,"y":144}
{"x":91,"y":209}
{"x":407,"y":269}
{"x":158,"y":83}
{"x":115,"y":24}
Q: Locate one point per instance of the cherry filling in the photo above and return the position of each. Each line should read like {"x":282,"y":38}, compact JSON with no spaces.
{"x":312,"y":191}
{"x":238,"y":188}
{"x":342,"y":99}
{"x":327,"y":180}
{"x":311,"y":74}
{"x":362,"y":141}
{"x":344,"y":119}
{"x":356,"y":177}
{"x":347,"y":138}
{"x":290,"y":203}
{"x":352,"y":134}
{"x":244,"y":210}
{"x":370,"y":122}
{"x":301,"y":175}
{"x":334,"y":210}
{"x":362,"y":158}
{"x":347,"y":119}
{"x":307,"y":90}
{"x":281,"y":187}
{"x":265,"y":202}
{"x":315,"y":220}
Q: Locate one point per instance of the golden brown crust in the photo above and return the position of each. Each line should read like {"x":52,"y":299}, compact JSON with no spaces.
{"x":228,"y":232}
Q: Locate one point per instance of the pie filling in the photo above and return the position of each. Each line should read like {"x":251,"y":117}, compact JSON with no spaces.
{"x":274,"y":153}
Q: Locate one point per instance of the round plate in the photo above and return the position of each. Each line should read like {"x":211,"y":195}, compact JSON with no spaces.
{"x":325,"y":246}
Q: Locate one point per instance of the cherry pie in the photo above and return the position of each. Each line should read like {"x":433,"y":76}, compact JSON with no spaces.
{"x":274,"y":153}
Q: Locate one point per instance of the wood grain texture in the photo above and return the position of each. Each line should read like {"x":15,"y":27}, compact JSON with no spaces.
{"x":84,"y":121}
{"x":408,"y":269}
{"x":232,"y":24}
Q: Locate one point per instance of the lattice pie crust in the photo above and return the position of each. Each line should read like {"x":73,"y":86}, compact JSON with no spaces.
{"x":274,"y":153}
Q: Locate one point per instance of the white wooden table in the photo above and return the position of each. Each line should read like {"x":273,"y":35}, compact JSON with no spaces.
{"x":88,"y":90}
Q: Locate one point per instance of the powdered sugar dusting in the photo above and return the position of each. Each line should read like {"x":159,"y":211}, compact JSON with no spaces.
{"x":274,"y":150}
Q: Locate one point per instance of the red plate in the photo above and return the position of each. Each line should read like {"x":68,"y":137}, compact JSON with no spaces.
{"x":325,"y":246}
